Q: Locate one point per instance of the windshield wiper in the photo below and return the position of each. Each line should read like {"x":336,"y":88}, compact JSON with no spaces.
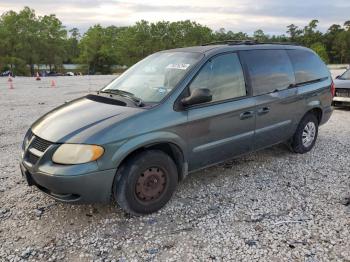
{"x":138,"y":101}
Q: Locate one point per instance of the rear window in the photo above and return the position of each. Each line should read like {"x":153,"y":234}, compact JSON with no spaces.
{"x":308,"y":67}
{"x":269,"y":70}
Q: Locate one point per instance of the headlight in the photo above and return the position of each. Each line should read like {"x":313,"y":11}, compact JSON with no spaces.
{"x":77,"y":154}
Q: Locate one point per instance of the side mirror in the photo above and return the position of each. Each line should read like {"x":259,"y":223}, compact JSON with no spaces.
{"x":198,"y":96}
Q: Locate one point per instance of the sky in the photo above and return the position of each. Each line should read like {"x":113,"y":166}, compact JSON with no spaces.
{"x":272,"y":16}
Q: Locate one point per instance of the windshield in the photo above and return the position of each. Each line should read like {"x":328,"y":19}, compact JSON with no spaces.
{"x":151,"y":79}
{"x":346,"y":75}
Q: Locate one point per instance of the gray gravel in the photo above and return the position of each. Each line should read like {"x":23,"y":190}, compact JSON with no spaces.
{"x":268,"y":206}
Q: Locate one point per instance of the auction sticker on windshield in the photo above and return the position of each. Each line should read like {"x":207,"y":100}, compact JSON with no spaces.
{"x":178,"y":66}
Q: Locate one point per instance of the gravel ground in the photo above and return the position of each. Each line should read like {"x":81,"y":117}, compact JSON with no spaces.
{"x":268,"y":206}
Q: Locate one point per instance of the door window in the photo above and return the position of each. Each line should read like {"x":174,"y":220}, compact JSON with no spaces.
{"x":269,"y":70}
{"x":223,"y":76}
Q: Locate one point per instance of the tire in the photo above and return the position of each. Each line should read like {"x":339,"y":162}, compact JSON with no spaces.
{"x":145,"y":182}
{"x":304,"y":131}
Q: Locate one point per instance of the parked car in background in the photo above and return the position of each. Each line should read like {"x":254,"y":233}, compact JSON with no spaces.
{"x":7,"y":73}
{"x":45,"y":73}
{"x":342,"y":89}
{"x":69,"y":74}
{"x":54,"y":73}
{"x":173,"y":113}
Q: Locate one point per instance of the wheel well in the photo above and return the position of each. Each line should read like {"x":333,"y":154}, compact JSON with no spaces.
{"x":170,"y":149}
{"x":317,"y":112}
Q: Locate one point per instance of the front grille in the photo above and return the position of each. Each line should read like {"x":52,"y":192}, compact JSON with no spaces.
{"x":342,"y":92}
{"x":36,"y":148}
{"x":33,"y":159}
{"x":40,"y":144}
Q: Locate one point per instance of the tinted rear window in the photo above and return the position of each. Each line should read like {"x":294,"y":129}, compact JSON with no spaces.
{"x":307,"y":66}
{"x":269,"y":70}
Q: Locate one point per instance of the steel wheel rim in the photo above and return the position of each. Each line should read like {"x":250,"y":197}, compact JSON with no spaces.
{"x":309,"y":134}
{"x":151,"y":184}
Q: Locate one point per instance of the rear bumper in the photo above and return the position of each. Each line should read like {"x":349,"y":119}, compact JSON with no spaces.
{"x":87,"y":188}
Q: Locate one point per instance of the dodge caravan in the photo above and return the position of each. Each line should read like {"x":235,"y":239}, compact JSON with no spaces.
{"x":175,"y":112}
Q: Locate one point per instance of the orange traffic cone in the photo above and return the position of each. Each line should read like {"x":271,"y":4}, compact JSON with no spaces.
{"x":53,"y":83}
{"x":37,"y":76}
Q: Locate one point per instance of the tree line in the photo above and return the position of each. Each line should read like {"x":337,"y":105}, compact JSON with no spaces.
{"x":28,"y":40}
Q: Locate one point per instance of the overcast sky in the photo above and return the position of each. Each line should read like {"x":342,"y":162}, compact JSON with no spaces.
{"x":237,"y":15}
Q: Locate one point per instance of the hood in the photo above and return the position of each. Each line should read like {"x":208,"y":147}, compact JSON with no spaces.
{"x":342,"y":83}
{"x":76,"y":121}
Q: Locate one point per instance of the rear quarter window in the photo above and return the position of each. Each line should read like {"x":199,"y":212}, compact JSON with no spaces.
{"x":307,"y":66}
{"x":269,"y":70}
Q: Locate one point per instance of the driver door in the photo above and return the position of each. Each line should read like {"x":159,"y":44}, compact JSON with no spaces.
{"x":223,"y":128}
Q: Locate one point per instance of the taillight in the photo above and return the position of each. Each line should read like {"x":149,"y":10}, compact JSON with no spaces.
{"x":333,"y":89}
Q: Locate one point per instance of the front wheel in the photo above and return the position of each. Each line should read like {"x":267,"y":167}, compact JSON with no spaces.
{"x":145,"y":182}
{"x":306,"y":134}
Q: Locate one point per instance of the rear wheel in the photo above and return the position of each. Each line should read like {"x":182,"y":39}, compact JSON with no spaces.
{"x":306,"y":134}
{"x":145,"y":182}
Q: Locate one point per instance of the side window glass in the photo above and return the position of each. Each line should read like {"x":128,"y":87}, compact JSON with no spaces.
{"x":307,"y":66}
{"x":223,"y":76}
{"x":269,"y":70}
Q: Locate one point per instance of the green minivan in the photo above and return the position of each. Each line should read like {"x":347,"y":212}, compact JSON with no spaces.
{"x":175,"y":112}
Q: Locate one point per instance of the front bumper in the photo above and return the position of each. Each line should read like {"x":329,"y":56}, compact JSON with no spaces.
{"x":83,"y":183}
{"x":86,"y":188}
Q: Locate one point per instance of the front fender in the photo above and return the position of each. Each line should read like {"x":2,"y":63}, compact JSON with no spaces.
{"x":127,"y":147}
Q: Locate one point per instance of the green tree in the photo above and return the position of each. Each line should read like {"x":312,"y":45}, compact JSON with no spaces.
{"x":347,"y":25}
{"x":98,"y":48}
{"x":52,"y":39}
{"x":11,"y":42}
{"x":311,"y":34}
{"x":294,"y":32}
{"x":260,"y":36}
{"x":144,"y":38}
{"x":28,"y":45}
{"x":329,"y":39}
{"x":72,"y":45}
{"x":31,"y":40}
{"x":222,"y":35}
{"x":320,"y":49}
{"x":28,"y":40}
{"x":341,"y":47}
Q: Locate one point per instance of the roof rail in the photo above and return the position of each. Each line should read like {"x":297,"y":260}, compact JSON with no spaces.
{"x":278,"y":43}
{"x":247,"y":42}
{"x":232,"y":42}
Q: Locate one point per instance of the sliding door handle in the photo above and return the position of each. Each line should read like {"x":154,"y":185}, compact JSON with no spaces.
{"x":263,"y":111}
{"x":246,"y":115}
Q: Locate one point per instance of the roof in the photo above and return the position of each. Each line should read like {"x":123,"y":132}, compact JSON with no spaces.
{"x":236,"y":46}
